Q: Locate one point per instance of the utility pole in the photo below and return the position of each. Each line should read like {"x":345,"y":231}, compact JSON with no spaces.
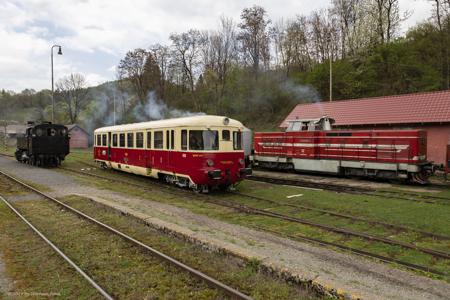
{"x":53,"y":92}
{"x":331,"y":77}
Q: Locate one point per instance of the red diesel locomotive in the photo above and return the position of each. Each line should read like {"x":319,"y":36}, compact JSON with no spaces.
{"x":200,"y":152}
{"x":311,"y":146}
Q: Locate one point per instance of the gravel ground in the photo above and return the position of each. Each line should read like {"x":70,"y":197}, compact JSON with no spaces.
{"x":353,"y":182}
{"x":349,"y":275}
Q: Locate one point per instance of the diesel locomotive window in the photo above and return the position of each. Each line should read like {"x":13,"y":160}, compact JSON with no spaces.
{"x":225,"y":135}
{"x":203,"y":140}
{"x":99,"y":140}
{"x":139,"y":140}
{"x":149,"y":140}
{"x":158,"y":143}
{"x":114,"y":140}
{"x":104,"y":143}
{"x":130,"y":140}
{"x":237,"y":140}
{"x":122,"y":140}
{"x":183,"y":139}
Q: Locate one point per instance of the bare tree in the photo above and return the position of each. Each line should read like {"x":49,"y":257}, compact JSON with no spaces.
{"x":219,"y":54}
{"x":442,"y":17}
{"x":324,"y":35}
{"x":188,"y":46}
{"x":161,"y":55}
{"x":388,"y":19}
{"x":133,"y":68}
{"x":73,"y":91}
{"x":291,"y":44}
{"x":254,"y":37}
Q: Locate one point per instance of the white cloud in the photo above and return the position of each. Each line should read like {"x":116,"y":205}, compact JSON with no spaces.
{"x":95,"y":34}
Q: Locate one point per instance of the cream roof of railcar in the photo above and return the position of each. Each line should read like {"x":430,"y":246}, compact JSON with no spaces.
{"x":203,"y":121}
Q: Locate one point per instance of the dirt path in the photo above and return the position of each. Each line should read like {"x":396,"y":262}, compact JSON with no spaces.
{"x":350,"y":275}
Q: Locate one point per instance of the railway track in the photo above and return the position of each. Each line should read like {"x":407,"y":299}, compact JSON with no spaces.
{"x":256,"y":211}
{"x":345,"y":216}
{"x":77,"y":268}
{"x":230,"y":291}
{"x":352,"y":190}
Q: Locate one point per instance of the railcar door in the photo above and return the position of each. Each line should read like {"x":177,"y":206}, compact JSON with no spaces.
{"x":149,"y":152}
{"x":109,"y":146}
{"x":170,"y":143}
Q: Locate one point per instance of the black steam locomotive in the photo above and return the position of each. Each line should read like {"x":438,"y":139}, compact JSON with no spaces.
{"x":44,"y":144}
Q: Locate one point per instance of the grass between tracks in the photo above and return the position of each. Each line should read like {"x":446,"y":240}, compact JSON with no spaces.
{"x":124,"y":270}
{"x":421,"y":216}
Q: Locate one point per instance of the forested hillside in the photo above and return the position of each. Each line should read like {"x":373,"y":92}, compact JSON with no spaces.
{"x":256,"y":69}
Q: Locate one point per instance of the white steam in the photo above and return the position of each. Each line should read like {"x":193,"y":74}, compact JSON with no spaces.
{"x":156,"y":109}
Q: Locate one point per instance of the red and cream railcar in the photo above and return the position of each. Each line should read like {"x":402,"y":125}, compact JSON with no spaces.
{"x":199,"y":152}
{"x":377,"y":153}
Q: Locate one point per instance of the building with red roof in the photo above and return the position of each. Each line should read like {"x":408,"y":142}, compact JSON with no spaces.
{"x":79,"y":138}
{"x":428,"y":111}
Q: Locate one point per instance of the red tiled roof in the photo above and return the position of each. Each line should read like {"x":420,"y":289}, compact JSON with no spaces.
{"x":429,"y":107}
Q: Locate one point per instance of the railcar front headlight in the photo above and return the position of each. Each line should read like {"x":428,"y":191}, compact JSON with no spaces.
{"x":210,"y":162}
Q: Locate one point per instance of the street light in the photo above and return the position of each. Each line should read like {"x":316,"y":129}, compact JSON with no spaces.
{"x":53,"y":96}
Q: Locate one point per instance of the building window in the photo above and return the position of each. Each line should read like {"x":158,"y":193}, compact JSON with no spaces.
{"x":158,"y":142}
{"x":139,"y":140}
{"x":225,"y":135}
{"x":99,"y":140}
{"x":237,"y":140}
{"x":130,"y":140}
{"x":122,"y":140}
{"x":114,"y":140}
{"x":183,"y":139}
{"x":149,"y":140}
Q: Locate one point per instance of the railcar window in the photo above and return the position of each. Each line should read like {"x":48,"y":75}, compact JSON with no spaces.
{"x":114,"y":140}
{"x":237,"y":140}
{"x":104,"y":143}
{"x":183,"y":139}
{"x":63,"y":132}
{"x":167,"y":139}
{"x":225,"y":135}
{"x":99,"y":140}
{"x":203,"y":140}
{"x":149,"y":140}
{"x":158,"y":142}
{"x":130,"y":140}
{"x":139,"y":140}
{"x":122,"y":140}
{"x":172,"y":139}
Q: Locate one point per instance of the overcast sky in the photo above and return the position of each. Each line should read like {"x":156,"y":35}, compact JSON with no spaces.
{"x":96,"y":34}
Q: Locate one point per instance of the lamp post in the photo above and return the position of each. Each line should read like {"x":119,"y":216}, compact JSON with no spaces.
{"x":53,"y":91}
